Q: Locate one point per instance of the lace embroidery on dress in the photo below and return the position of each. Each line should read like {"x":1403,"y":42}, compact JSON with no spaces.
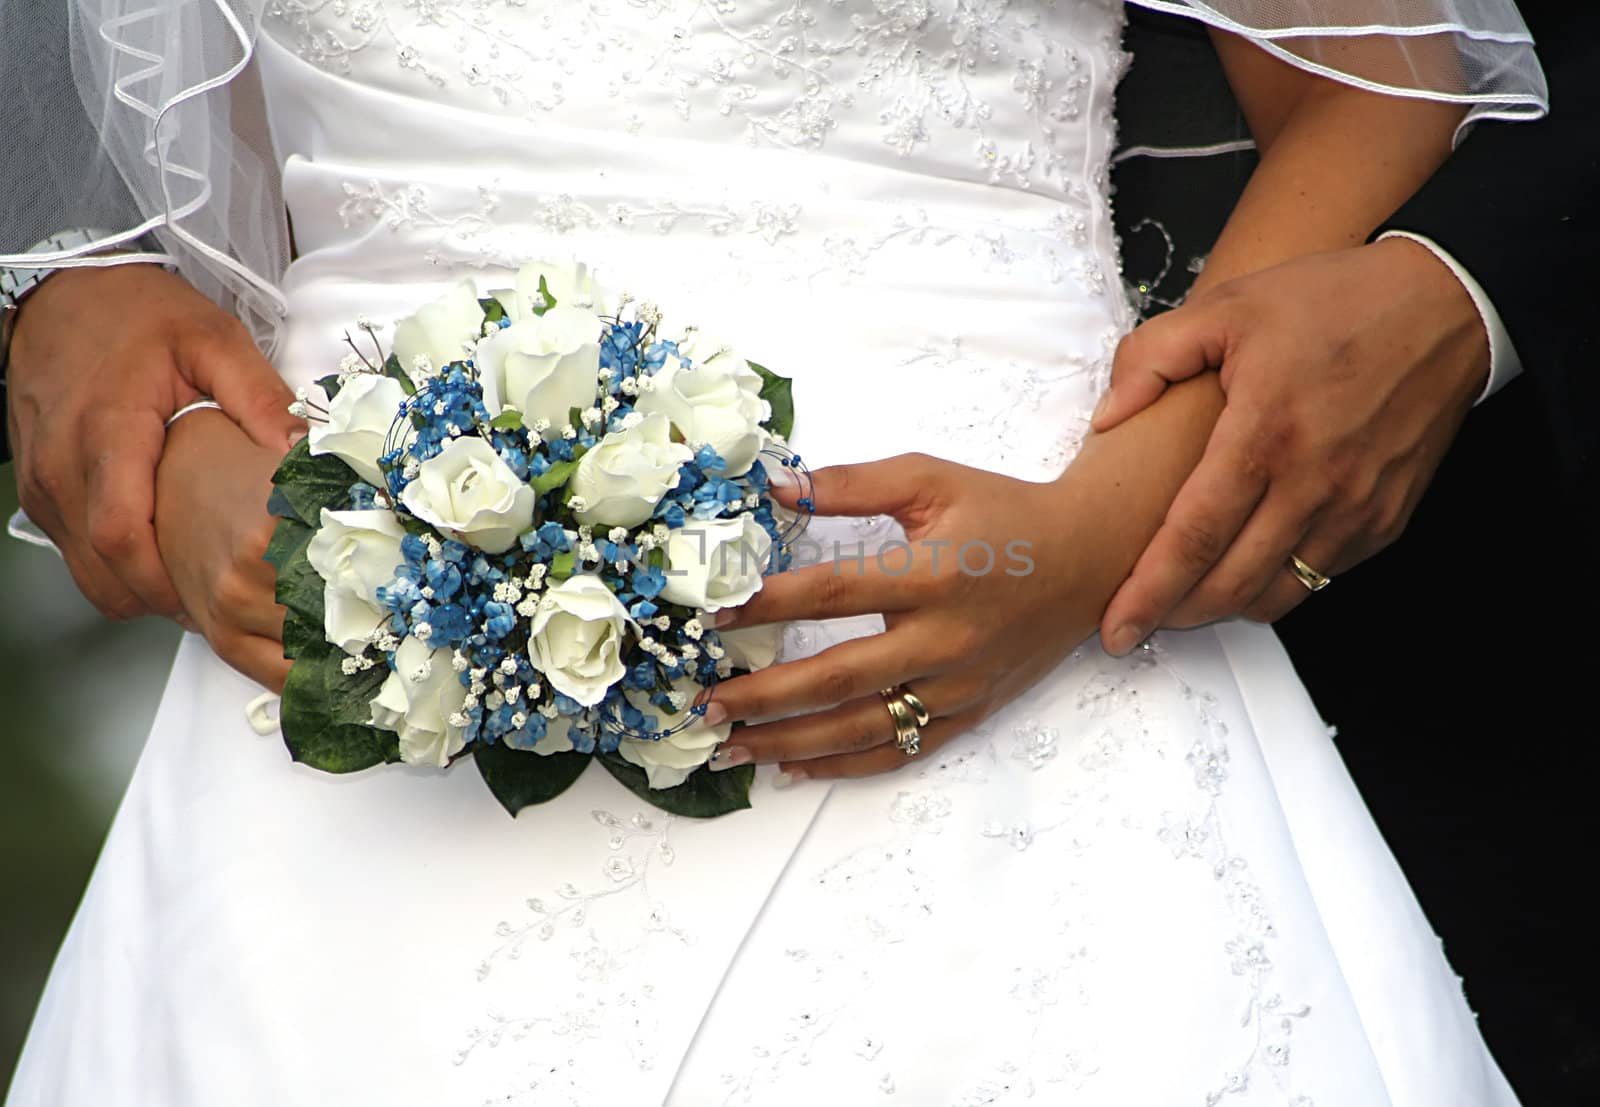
{"x":788,"y":74}
{"x":604,"y":999}
{"x":999,"y":398}
{"x":1055,"y":251}
{"x":889,"y":888}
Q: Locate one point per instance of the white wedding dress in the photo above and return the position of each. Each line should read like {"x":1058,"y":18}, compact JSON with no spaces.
{"x":1149,"y":881}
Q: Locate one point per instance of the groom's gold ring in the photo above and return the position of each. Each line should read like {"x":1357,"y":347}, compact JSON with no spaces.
{"x":907,"y":735}
{"x":1306,"y":575}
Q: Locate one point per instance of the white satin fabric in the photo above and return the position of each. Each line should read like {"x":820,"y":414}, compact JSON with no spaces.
{"x":1148,"y":881}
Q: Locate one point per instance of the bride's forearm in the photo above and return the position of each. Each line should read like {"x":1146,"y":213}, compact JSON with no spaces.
{"x":1336,"y":161}
{"x":1116,"y":492}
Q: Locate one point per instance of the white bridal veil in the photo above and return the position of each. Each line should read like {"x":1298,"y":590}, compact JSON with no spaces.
{"x":143,"y":115}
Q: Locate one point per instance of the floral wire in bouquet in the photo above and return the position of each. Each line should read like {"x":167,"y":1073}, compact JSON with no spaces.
{"x":504,"y":539}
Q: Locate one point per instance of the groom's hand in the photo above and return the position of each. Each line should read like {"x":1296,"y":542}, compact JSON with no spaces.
{"x":100,"y":359}
{"x":1347,"y":377}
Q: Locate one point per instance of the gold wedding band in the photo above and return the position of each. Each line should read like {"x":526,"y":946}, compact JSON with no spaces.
{"x":906,"y":719}
{"x":1306,"y":575}
{"x":918,"y":709}
{"x":912,"y":700}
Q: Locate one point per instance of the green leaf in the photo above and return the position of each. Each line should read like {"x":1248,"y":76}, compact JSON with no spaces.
{"x":522,"y":778}
{"x":563,"y":565}
{"x":299,"y":588}
{"x":350,"y":698}
{"x":311,"y":483}
{"x":493,"y":310}
{"x":300,"y":636}
{"x":289,"y":537}
{"x":395,"y":371}
{"x":329,"y":384}
{"x":554,"y":477}
{"x":507,"y":421}
{"x":779,"y":392}
{"x":575,"y":417}
{"x":549,"y":298}
{"x":703,"y":796}
{"x":314,"y":735}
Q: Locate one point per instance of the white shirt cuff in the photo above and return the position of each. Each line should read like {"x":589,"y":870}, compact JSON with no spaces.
{"x":1504,"y":363}
{"x":26,"y":530}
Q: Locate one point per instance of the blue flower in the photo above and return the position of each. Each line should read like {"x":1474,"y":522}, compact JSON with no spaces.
{"x":546,"y":542}
{"x":414,"y":550}
{"x":401,"y":593}
{"x":450,"y":623}
{"x":530,"y":733}
{"x":444,"y":578}
{"x":363,"y":497}
{"x":709,"y":460}
{"x":513,"y":450}
{"x":640,"y":677}
{"x":499,"y":619}
{"x":648,"y":582}
{"x":583,"y":740}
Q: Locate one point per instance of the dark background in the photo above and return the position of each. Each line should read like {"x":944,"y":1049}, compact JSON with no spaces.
{"x":1457,"y":666}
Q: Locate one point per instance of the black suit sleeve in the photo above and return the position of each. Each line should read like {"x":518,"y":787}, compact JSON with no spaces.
{"x":1516,"y":205}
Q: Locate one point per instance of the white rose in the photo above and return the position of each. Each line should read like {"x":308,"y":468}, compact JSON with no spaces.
{"x":668,"y":761}
{"x":575,"y":638}
{"x":715,"y":403}
{"x":359,"y":420}
{"x":716,"y":564}
{"x":355,"y":553}
{"x":624,"y":477}
{"x":752,"y":648}
{"x":442,"y":330}
{"x":569,"y":285}
{"x":416,"y":702}
{"x":543,"y":367}
{"x":468,"y":491}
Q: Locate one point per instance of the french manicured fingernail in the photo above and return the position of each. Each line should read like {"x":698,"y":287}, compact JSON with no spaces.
{"x":1123,"y":639}
{"x":716,"y":714}
{"x":296,"y":437}
{"x":781,"y":476}
{"x":787,"y":778}
{"x":730,"y":757}
{"x":1101,"y":408}
{"x":719,"y":619}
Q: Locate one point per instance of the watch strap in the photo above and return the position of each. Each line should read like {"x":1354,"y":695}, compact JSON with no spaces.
{"x":17,"y":281}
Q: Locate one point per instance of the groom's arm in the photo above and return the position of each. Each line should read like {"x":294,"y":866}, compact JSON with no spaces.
{"x":1516,"y":208}
{"x":1356,"y":401}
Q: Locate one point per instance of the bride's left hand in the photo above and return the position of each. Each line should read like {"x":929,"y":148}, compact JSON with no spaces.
{"x":985,"y":601}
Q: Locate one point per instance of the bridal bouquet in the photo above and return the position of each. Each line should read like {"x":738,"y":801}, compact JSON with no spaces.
{"x":503,"y":539}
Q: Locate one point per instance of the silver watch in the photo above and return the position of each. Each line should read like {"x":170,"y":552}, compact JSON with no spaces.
{"x":17,"y":283}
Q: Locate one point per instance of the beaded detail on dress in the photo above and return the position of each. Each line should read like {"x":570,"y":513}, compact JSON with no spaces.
{"x":991,"y":90}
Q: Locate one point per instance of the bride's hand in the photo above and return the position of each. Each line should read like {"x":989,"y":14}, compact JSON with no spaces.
{"x":212,"y":527}
{"x":990,"y":595}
